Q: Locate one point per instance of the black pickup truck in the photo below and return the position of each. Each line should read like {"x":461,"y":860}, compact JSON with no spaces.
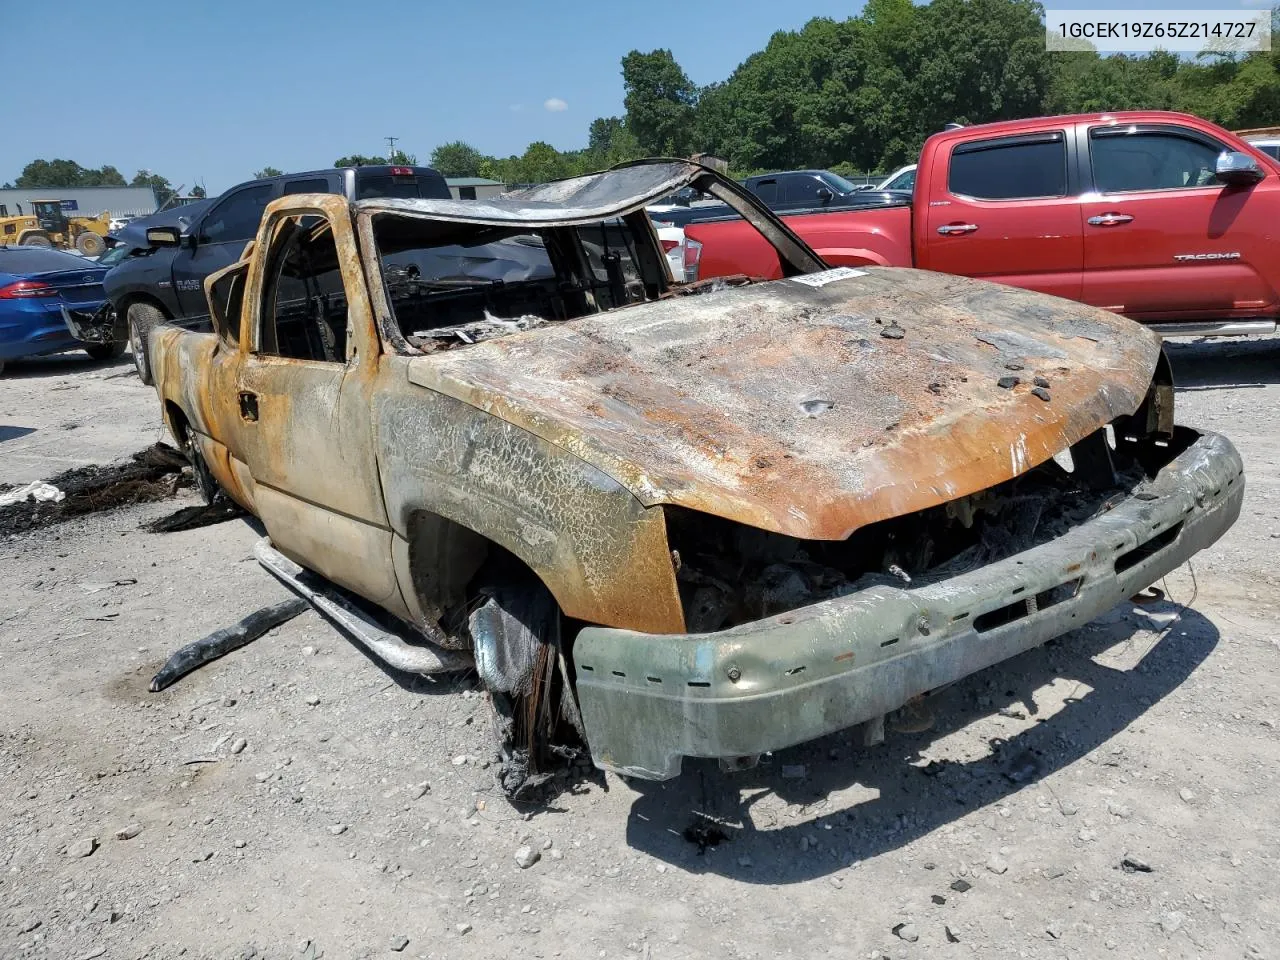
{"x":804,"y":190}
{"x":164,"y":282}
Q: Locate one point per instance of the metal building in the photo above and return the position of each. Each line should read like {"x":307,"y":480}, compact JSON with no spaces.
{"x":474,"y":188}
{"x":82,"y":201}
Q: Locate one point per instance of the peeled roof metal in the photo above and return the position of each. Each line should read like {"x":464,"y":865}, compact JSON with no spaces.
{"x":596,"y":196}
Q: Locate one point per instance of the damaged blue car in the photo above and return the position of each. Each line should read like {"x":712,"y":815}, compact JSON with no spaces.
{"x":47,"y":298}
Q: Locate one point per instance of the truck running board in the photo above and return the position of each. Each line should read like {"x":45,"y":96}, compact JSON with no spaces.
{"x":1221,"y":328}
{"x":343,"y":612}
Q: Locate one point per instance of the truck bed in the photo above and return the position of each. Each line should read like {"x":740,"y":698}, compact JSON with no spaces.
{"x":878,"y":236}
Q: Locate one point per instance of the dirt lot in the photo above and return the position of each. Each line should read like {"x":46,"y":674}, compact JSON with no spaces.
{"x":295,"y":800}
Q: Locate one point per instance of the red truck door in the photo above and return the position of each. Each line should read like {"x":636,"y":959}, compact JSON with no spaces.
{"x":1005,"y":209}
{"x":1163,"y":237}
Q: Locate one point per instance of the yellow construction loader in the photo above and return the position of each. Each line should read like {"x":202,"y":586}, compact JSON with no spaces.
{"x":48,"y":226}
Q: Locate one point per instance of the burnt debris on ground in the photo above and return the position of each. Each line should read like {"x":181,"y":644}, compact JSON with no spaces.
{"x":153,"y":473}
{"x":223,"y":641}
{"x":191,"y":518}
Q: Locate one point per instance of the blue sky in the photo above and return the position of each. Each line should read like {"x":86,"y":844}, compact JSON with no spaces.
{"x":212,"y":91}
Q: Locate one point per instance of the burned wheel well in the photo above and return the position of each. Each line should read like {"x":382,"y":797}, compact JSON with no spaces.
{"x":178,"y":423}
{"x":449,"y":563}
{"x":444,"y":559}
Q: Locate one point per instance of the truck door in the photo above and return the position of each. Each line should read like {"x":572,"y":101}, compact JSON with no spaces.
{"x":217,"y":241}
{"x":1163,"y":237}
{"x":303,"y":398}
{"x":1004,"y":209}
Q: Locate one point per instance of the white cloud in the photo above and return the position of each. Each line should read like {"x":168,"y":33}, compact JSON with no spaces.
{"x":556,"y":105}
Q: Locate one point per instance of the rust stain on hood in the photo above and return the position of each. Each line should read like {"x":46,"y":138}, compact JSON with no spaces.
{"x":796,"y":408}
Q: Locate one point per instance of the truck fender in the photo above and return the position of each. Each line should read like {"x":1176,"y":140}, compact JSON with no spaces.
{"x":853,"y":257}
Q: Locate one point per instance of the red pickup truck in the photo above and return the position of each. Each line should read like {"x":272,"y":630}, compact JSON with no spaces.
{"x":1162,"y":217}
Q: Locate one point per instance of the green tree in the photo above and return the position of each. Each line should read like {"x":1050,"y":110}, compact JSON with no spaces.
{"x":162,"y":187}
{"x":398,"y":158}
{"x":104,"y":176}
{"x":996,"y":67}
{"x":457,"y":159}
{"x":603,"y":132}
{"x":660,"y":100}
{"x":198,"y":191}
{"x":609,"y":142}
{"x":275,"y":172}
{"x":867,"y":91}
{"x":39,"y":174}
{"x":359,"y":160}
{"x":542,"y":162}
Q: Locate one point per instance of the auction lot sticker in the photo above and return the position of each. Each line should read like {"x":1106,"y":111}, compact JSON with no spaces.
{"x":829,"y":276}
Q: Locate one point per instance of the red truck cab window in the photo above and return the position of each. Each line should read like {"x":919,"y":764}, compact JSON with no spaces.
{"x":1022,"y":169}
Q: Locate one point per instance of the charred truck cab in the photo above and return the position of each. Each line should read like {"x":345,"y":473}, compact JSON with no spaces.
{"x":710,"y":519}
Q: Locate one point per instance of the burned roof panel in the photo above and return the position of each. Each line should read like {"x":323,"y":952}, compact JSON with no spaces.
{"x":596,"y":196}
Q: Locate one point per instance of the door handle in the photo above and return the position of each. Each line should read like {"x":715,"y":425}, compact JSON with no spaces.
{"x":1109,"y":219}
{"x":248,"y":406}
{"x":953,"y":229}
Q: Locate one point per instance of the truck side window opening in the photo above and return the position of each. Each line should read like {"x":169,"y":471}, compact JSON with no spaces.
{"x":803,"y":190}
{"x":226,"y":299}
{"x":451,"y":283}
{"x":304,"y":313}
{"x":237,"y":217}
{"x":766,"y":190}
{"x":903,"y":181}
{"x":1010,"y":171}
{"x":1151,"y":160}
{"x":314,"y":185}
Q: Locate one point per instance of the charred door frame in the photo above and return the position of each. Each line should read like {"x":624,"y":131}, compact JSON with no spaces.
{"x":307,"y":434}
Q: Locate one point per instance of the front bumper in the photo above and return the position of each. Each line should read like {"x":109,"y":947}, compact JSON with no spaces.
{"x":648,"y":701}
{"x":91,"y":326}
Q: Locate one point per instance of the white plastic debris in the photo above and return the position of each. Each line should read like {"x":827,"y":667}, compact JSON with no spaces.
{"x":37,"y":490}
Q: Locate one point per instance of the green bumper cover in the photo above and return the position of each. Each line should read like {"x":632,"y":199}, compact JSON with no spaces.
{"x":648,"y":701}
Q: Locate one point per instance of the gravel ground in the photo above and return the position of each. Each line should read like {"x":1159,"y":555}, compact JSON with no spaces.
{"x":295,"y":800}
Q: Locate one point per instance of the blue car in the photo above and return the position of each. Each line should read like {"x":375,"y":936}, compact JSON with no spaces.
{"x":44,"y":296}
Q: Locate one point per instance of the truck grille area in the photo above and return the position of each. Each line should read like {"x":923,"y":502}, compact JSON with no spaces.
{"x":731,"y":574}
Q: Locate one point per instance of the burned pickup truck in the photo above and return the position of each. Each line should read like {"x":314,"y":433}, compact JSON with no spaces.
{"x":710,"y":519}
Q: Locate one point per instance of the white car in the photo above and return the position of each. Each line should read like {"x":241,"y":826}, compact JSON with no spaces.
{"x":1268,"y":145}
{"x":904,"y":178}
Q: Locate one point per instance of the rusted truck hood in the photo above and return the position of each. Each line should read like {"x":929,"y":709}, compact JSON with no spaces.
{"x":796,"y":407}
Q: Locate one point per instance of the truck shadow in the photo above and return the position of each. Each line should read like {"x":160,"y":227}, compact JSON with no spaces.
{"x":1224,"y":363}
{"x":711,"y":822}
